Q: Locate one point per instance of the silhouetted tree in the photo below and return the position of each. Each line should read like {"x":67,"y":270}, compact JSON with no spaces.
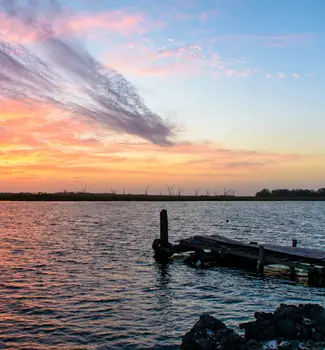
{"x":170,"y":190}
{"x":113,"y":191}
{"x":263,"y":193}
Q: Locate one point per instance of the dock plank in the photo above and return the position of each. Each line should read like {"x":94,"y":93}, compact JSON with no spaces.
{"x":273,"y":253}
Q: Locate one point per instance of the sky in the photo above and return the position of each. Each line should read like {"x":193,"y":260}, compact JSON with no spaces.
{"x":122,"y":96}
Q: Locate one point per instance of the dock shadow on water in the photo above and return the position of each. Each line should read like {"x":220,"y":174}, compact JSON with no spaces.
{"x":82,"y":275}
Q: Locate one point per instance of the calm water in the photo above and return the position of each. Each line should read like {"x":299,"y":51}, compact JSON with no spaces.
{"x":82,"y":276}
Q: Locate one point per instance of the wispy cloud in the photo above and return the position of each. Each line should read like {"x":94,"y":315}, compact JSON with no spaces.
{"x":63,"y":74}
{"x":115,"y":21}
{"x":144,"y":59}
{"x":13,"y":29}
{"x":199,"y":16}
{"x":275,"y":41}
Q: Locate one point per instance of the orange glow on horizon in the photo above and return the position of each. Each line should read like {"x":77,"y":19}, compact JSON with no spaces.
{"x":44,"y":149}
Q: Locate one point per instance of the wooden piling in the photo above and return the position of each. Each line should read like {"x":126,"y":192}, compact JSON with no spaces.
{"x":261,"y":258}
{"x":322,"y":276}
{"x":316,"y":276}
{"x":312,"y":276}
{"x":226,"y":251}
{"x":292,"y":269}
{"x":164,"y":228}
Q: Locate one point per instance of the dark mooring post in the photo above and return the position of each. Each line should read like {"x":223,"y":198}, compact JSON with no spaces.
{"x":164,"y":228}
{"x":292,"y":269}
{"x":313,"y":278}
{"x":261,"y":259}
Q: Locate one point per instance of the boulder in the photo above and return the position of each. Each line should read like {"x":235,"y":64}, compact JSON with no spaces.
{"x":290,"y":327}
{"x":209,"y":334}
{"x":303,"y":322}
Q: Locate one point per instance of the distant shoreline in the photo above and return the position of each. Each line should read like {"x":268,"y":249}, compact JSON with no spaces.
{"x":109,"y":197}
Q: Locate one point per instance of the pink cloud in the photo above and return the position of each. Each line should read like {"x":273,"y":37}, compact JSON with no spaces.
{"x":151,"y":69}
{"x":230,"y":72}
{"x":268,"y":75}
{"x":245,"y":73}
{"x":184,"y":52}
{"x":15,"y":30}
{"x":182,"y":61}
{"x":202,"y":16}
{"x":281,"y":75}
{"x":142,"y":60}
{"x":116,"y":21}
{"x":296,"y":75}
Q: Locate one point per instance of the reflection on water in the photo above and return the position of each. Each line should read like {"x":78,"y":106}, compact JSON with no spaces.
{"x":82,"y":275}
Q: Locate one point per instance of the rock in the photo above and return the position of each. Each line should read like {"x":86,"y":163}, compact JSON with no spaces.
{"x":209,"y":322}
{"x":251,"y":345}
{"x":263,"y":316}
{"x":289,"y":328}
{"x":314,"y":312}
{"x":271,"y":345}
{"x":260,"y":330}
{"x":286,"y":328}
{"x":306,"y":322}
{"x":290,"y":312}
{"x":285,"y":345}
{"x":321,"y":331}
{"x":209,"y":334}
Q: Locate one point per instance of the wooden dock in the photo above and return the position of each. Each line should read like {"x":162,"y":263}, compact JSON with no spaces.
{"x":220,"y":250}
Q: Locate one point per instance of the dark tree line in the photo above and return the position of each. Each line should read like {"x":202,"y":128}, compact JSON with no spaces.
{"x":110,"y":196}
{"x":265,"y":194}
{"x":291,"y":194}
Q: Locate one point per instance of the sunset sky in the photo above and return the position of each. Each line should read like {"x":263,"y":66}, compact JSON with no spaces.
{"x":208,"y":95}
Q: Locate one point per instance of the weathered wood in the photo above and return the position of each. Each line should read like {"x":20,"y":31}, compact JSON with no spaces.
{"x":228,"y":250}
{"x":164,"y":228}
{"x":316,"y":276}
{"x":292,"y":269}
{"x":312,"y":275}
{"x":305,"y":255}
{"x":223,"y":250}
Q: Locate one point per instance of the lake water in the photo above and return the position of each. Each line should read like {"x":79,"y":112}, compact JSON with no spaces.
{"x":82,"y":275}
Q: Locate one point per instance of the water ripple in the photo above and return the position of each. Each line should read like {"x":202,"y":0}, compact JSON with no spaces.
{"x":82,"y":276}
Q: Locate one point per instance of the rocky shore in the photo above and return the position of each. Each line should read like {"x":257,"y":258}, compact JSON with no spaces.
{"x":290,"y":327}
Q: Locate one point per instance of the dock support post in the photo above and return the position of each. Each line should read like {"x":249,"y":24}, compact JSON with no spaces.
{"x":322,"y":276}
{"x":261,"y":259}
{"x":316,"y":276}
{"x":164,"y":228}
{"x":312,"y":276}
{"x":292,"y":269}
